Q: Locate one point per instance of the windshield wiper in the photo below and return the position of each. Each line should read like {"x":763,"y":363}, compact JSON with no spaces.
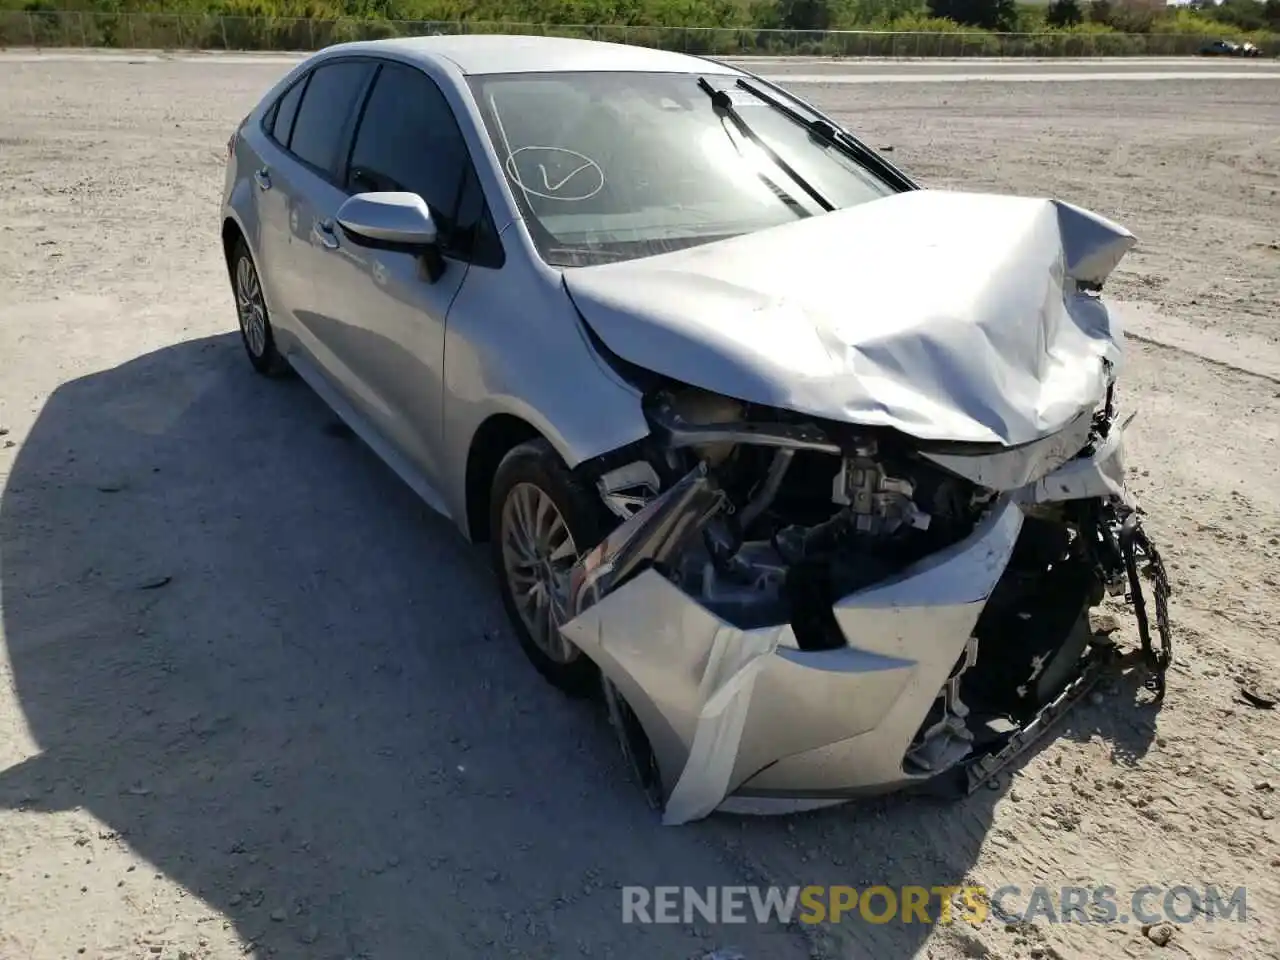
{"x":722,"y":103}
{"x":829,"y":134}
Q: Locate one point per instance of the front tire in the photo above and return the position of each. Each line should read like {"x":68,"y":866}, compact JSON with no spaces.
{"x":634,"y":742}
{"x":251,"y":309}
{"x":541,"y":520}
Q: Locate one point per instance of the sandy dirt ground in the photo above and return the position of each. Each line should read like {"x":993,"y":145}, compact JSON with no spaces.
{"x":255,"y":699}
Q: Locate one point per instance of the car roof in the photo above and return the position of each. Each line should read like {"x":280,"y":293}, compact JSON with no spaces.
{"x":508,"y":53}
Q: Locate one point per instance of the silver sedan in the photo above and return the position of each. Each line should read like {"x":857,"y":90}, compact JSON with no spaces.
{"x":813,"y":474}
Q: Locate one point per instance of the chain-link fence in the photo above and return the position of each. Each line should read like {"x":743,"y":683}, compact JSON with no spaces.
{"x":51,"y":28}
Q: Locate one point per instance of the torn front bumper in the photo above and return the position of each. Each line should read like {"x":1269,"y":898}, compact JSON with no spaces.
{"x":726,"y":708}
{"x":743,"y":719}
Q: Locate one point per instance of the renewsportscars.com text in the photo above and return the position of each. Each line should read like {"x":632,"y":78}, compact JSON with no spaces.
{"x":936,"y":904}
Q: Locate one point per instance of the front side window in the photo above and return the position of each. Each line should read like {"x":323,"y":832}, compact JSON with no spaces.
{"x":612,"y":166}
{"x":319,"y":132}
{"x":408,"y":140}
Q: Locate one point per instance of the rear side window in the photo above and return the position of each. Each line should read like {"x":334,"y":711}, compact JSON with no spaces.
{"x":319,"y":130}
{"x":286,"y":110}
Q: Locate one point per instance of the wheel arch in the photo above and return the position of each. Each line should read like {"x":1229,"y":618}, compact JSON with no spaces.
{"x":505,"y":429}
{"x":231,"y":232}
{"x":497,"y":435}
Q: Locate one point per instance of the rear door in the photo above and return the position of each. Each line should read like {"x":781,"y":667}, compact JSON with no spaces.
{"x":272,"y":151}
{"x":306,"y":188}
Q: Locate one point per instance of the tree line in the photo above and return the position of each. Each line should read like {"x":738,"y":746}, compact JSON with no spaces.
{"x":1200,"y":17}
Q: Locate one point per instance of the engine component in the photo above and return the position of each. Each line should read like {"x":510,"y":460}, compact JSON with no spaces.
{"x":698,"y":408}
{"x":945,"y":739}
{"x":769,"y":490}
{"x":875,"y":504}
{"x":629,"y":488}
{"x":652,"y":537}
{"x":672,"y":425}
{"x":747,"y":591}
{"x":878,"y":503}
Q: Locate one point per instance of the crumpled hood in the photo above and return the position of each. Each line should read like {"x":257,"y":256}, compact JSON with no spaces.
{"x":946,"y":315}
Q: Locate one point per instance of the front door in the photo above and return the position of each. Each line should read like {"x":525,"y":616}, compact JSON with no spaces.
{"x":391,"y":327}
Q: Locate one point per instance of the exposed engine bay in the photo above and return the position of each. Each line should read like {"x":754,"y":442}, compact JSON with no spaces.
{"x":773,"y":524}
{"x":803,"y":517}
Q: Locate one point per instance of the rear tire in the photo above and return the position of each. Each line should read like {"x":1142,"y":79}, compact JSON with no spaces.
{"x":251,"y":309}
{"x":541,"y":519}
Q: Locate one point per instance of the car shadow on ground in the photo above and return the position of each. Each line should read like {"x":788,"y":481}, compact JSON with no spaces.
{"x":247,"y":648}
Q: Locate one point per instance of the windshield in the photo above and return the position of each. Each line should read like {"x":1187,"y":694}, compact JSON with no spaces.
{"x":613,"y":166}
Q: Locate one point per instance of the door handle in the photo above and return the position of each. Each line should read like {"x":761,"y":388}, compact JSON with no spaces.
{"x":322,"y":230}
{"x":262,"y":178}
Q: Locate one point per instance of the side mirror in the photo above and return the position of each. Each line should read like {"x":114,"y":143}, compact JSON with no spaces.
{"x":399,"y":222}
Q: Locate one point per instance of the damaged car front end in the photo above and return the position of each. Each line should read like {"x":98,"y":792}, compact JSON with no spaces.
{"x":755,"y":650}
{"x":886,"y":584}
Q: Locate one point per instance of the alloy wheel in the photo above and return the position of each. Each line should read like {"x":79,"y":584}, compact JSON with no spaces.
{"x":251,"y":307}
{"x":538,"y":555}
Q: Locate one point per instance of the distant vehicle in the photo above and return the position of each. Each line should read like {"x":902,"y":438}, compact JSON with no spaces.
{"x":1227,"y":48}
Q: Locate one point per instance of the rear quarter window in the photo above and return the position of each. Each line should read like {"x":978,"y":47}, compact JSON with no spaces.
{"x":320,"y":130}
{"x":279,"y":123}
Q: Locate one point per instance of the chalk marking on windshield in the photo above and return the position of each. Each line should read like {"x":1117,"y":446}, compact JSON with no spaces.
{"x":553,"y":190}
{"x":514,"y":172}
{"x":560,"y":183}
